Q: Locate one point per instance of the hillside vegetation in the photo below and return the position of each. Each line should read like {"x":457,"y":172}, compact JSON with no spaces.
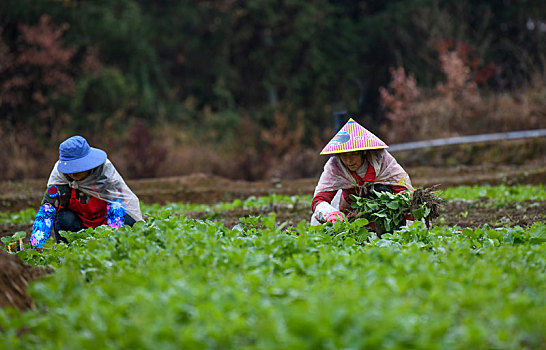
{"x":157,"y":83}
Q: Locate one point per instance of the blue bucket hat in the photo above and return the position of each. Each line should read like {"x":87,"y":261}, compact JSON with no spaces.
{"x":76,"y":155}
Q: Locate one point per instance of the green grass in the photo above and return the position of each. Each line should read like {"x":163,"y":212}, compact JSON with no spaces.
{"x":499,"y":193}
{"x":25,"y":216}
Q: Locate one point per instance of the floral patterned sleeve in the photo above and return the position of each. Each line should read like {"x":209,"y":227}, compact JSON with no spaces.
{"x":54,"y":197}
{"x":115,"y":212}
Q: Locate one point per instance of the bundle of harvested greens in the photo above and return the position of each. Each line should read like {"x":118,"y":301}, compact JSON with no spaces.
{"x":390,"y":210}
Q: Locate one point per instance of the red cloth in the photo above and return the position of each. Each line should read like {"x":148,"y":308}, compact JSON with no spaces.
{"x":92,"y":214}
{"x":327,"y":196}
{"x":398,"y":189}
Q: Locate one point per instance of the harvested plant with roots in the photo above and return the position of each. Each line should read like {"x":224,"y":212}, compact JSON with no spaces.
{"x":390,"y":210}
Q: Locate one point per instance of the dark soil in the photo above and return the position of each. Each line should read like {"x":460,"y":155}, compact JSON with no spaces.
{"x":472,"y":214}
{"x":14,"y":279}
{"x":475,"y":214}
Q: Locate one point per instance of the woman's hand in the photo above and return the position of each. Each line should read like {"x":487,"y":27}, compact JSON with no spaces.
{"x":335,"y":216}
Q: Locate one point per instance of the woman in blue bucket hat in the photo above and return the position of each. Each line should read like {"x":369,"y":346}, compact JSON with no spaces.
{"x":84,"y":190}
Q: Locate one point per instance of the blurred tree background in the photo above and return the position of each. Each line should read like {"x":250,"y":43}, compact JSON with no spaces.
{"x":247,"y":89}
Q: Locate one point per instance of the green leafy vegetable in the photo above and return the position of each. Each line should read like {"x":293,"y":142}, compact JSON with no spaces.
{"x":174,"y":282}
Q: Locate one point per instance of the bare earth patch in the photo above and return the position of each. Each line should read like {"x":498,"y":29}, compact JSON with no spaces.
{"x":14,"y":279}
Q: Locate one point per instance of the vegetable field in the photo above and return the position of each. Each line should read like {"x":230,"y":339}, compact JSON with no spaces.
{"x":252,"y":273}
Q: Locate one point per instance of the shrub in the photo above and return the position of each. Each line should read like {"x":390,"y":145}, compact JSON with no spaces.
{"x":456,"y":106}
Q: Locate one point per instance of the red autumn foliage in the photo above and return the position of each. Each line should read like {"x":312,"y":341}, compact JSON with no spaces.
{"x":459,"y":83}
{"x":44,"y":51}
{"x":479,"y":72}
{"x":397,"y":103}
{"x":456,"y":106}
{"x":37,"y":77}
{"x":37,"y":72}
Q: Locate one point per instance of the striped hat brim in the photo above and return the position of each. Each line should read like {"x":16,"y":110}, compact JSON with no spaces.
{"x":353,"y":137}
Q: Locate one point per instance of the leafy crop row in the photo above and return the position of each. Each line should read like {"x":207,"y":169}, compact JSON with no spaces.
{"x":176,"y":283}
{"x":286,"y":202}
{"x":501,"y":193}
{"x":25,"y":216}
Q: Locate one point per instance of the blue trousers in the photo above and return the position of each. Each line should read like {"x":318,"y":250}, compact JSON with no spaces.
{"x":67,"y":220}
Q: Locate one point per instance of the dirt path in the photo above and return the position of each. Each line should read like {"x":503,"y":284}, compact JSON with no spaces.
{"x":208,"y":189}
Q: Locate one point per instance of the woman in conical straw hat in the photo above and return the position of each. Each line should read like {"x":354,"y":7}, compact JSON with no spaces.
{"x":84,"y":190}
{"x":359,"y":162}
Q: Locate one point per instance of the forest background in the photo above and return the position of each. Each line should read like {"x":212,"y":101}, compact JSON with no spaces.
{"x":251,"y":89}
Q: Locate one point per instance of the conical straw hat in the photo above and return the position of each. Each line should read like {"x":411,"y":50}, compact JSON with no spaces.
{"x":353,"y":137}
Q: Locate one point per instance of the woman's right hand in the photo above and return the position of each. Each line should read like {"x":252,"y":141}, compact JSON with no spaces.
{"x":335,"y":216}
